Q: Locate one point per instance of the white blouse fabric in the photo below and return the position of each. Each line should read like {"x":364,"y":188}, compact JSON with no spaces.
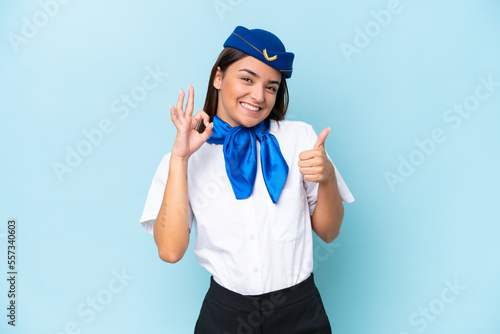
{"x":250,"y":246}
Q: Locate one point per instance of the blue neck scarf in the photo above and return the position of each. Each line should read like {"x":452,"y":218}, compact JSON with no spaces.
{"x":241,"y":159}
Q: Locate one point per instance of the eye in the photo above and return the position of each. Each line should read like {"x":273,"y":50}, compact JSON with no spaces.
{"x":272,"y":89}
{"x":246,"y":79}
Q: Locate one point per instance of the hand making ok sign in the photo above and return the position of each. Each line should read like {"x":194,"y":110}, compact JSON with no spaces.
{"x":188,"y":139}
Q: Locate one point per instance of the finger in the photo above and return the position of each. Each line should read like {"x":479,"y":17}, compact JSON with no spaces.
{"x":314,"y":161}
{"x":312,"y":178}
{"x":310,"y":170}
{"x":321,"y":138}
{"x":310,"y":175}
{"x":180,"y":102}
{"x":173,"y":114}
{"x":175,"y":117}
{"x":190,"y":101}
{"x":204,"y":116}
{"x":208,"y":131}
{"x":309,"y":154}
{"x":201,"y":116}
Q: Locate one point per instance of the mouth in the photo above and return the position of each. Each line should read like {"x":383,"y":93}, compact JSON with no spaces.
{"x":251,"y":108}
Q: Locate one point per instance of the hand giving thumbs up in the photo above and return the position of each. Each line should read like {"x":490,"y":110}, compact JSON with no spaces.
{"x":314,"y":164}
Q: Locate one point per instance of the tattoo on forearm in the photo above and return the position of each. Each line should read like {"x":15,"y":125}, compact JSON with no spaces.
{"x":163,"y":217}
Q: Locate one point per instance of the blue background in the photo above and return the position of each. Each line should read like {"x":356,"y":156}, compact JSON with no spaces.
{"x":403,"y":242}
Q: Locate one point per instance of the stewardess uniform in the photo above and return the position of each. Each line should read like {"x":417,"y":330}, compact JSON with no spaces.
{"x":250,"y":209}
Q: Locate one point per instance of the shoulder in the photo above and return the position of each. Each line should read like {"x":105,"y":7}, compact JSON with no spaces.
{"x":293,"y":136}
{"x":288,"y":130}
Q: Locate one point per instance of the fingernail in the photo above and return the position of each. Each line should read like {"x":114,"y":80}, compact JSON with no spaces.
{"x":180,"y":91}
{"x":189,"y":85}
{"x":171,"y":106}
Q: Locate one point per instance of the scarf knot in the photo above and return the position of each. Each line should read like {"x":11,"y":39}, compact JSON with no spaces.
{"x":240,"y":157}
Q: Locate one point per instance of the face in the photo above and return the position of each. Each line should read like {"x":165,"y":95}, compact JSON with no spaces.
{"x":247,"y":92}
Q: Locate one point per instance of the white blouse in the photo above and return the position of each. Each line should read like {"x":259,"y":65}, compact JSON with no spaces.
{"x":250,"y":246}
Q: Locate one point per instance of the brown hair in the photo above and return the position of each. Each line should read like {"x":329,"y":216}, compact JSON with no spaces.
{"x":226,"y":58}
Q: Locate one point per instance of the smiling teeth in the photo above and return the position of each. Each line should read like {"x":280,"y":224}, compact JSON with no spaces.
{"x":246,"y":105}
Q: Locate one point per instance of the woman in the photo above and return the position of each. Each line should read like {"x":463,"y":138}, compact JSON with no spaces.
{"x":255,"y":186}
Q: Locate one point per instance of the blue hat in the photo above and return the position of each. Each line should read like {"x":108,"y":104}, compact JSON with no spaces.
{"x":264,"y":46}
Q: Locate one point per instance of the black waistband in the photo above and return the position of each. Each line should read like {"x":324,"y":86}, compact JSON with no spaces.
{"x":267,"y":301}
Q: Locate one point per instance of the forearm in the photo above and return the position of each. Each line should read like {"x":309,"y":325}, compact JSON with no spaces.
{"x":171,"y":228}
{"x":329,"y":212}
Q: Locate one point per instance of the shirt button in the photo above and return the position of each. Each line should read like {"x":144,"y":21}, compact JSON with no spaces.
{"x":256,"y":269}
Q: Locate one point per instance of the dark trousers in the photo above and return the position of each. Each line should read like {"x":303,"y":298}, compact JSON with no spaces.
{"x":294,"y":310}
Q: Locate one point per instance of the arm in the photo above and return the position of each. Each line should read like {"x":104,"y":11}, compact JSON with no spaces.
{"x":171,"y":228}
{"x":329,"y":212}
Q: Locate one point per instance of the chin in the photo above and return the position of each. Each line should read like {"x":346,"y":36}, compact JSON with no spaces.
{"x":250,"y":122}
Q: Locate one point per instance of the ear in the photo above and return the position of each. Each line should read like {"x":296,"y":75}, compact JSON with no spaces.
{"x":218,"y":78}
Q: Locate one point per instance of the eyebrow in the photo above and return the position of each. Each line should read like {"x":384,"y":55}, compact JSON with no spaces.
{"x":257,"y":76}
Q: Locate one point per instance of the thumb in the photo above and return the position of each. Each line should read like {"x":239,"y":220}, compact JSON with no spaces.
{"x":321,"y":138}
{"x":208,"y":131}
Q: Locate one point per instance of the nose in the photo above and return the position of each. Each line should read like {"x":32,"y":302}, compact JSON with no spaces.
{"x":257,"y":93}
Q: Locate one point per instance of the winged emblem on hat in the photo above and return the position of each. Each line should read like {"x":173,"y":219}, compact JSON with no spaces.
{"x":267,"y":56}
